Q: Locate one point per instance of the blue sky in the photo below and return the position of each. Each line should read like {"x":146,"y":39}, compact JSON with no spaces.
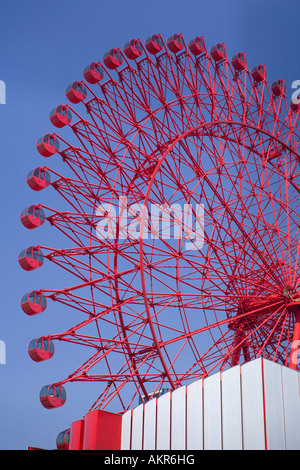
{"x":44,"y":47}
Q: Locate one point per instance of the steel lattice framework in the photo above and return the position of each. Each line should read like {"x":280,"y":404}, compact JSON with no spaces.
{"x":164,"y":302}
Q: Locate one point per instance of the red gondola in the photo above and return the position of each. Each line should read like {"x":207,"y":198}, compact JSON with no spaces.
{"x":295,"y":107}
{"x":32,"y":217}
{"x":53,"y":396}
{"x":175,"y":43}
{"x":41,"y":349}
{"x":113,"y":58}
{"x":278,"y":88}
{"x":239,"y":61}
{"x":47,"y":145}
{"x":133,"y":49}
{"x":93,"y":73}
{"x":197,"y":45}
{"x":31,"y":258}
{"x":154,"y":44}
{"x":33,"y":302}
{"x":60,"y":116}
{"x":76,"y":92}
{"x":38,"y":179}
{"x":63,"y":440}
{"x":259,"y":73}
{"x":218,"y":51}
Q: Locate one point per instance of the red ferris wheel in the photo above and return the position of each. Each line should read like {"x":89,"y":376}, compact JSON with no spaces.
{"x":182,"y":228}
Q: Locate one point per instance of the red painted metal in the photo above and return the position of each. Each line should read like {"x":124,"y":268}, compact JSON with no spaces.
{"x":278,"y":87}
{"x":197,"y":45}
{"x":295,"y":106}
{"x":163,"y":302}
{"x":76,"y":92}
{"x":38,"y":179}
{"x":63,"y":440}
{"x":218,"y":52}
{"x":60,"y":116}
{"x":32,"y":216}
{"x":239,"y":61}
{"x":41,"y":349}
{"x":133,"y":49}
{"x":76,"y":435}
{"x":296,"y":341}
{"x":175,"y":43}
{"x":33,"y":302}
{"x":31,"y":258}
{"x":53,"y":396}
{"x":47,"y":145}
{"x":154,"y":44}
{"x":113,"y":58}
{"x":259,"y":73}
{"x":102,"y":431}
{"x":93,"y":73}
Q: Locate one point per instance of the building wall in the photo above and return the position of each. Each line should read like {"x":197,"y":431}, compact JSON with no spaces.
{"x":253,"y":406}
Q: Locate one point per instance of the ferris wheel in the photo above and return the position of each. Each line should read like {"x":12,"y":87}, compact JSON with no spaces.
{"x":182,"y":228}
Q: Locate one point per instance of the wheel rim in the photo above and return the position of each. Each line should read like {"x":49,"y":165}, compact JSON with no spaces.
{"x":184,"y":131}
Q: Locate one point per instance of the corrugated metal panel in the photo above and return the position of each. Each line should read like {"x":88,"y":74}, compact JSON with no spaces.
{"x":232,"y":409}
{"x":178,"y":422}
{"x":212,"y":413}
{"x":126,"y":430}
{"x":290,"y":385}
{"x":194,"y":426}
{"x":150,"y":425}
{"x":163,"y":431}
{"x":253,"y":406}
{"x":137,"y":428}
{"x":274,"y":414}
